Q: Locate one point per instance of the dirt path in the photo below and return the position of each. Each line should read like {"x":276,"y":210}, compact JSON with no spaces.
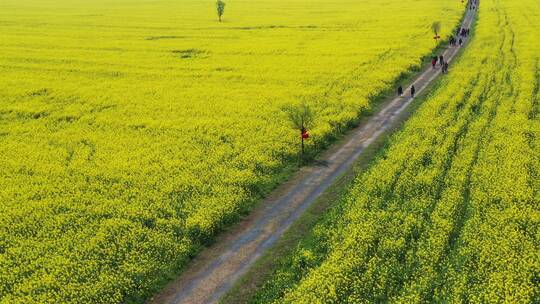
{"x":217,"y":268}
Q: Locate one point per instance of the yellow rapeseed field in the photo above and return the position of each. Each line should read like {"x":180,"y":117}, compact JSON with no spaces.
{"x":132,"y":131}
{"x":450,"y":211}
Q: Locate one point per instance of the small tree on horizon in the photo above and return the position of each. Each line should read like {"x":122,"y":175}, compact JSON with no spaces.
{"x":301,"y":117}
{"x":220,"y":5}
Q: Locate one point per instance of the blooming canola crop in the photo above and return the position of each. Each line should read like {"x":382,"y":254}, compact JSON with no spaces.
{"x":131,"y":132}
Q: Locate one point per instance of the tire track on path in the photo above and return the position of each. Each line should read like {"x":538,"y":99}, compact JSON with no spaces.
{"x":217,"y":268}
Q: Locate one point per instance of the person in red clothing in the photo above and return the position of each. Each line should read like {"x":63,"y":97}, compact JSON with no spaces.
{"x":434,"y":62}
{"x":305,"y":134}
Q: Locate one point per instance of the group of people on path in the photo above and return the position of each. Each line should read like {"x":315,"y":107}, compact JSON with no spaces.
{"x":453,"y":41}
{"x":464,"y":32}
{"x":444,"y":69}
{"x":461,"y":33}
{"x":400,"y":90}
{"x":442,"y":63}
{"x":472,"y":4}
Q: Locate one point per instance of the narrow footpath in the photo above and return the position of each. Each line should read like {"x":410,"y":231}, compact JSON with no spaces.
{"x":218,"y":267}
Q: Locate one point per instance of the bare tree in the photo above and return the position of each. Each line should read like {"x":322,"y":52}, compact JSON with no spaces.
{"x":220,"y":5}
{"x":436,"y":28}
{"x":301,"y":117}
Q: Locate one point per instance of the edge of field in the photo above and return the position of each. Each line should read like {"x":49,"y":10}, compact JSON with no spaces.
{"x":247,"y":286}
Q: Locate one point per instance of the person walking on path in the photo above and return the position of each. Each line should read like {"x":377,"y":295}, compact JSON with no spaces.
{"x":434,"y":61}
{"x":460,"y":41}
{"x":445,"y":68}
{"x":413,"y":91}
{"x":441,"y":60}
{"x":400,"y":91}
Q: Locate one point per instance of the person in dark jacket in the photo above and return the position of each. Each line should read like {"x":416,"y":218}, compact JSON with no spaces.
{"x":400,"y":90}
{"x":413,"y":91}
{"x":441,"y":60}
